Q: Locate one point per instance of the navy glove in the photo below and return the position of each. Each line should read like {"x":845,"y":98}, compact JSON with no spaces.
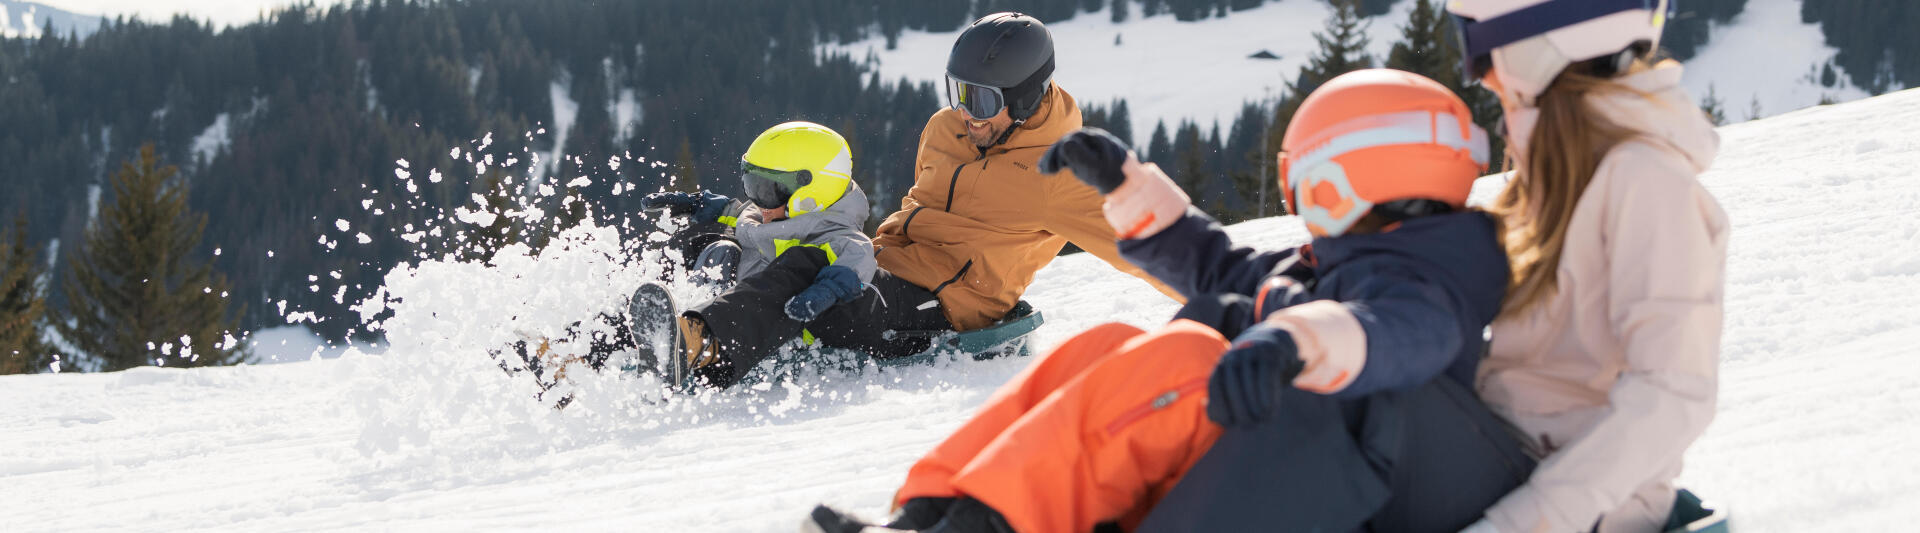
{"x":705,"y":207}
{"x":834,"y":284}
{"x":1094,"y":155}
{"x":1246,"y":384}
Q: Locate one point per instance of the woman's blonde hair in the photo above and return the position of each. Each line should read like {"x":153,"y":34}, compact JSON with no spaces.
{"x":1536,"y":206}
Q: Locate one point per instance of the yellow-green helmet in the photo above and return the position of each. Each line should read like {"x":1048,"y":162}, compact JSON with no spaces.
{"x":801,"y":165}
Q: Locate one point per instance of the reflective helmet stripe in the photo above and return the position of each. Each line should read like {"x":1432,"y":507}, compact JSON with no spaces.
{"x":1411,"y":127}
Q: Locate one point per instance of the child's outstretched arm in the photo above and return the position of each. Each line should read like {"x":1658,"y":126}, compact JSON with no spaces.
{"x":1159,"y":231}
{"x":1195,"y":256}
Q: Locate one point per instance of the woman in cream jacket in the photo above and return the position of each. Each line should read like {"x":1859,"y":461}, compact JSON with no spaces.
{"x":1605,"y":357}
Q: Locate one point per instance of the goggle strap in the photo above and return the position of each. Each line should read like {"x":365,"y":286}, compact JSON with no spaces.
{"x":1484,"y":36}
{"x":1409,"y":127}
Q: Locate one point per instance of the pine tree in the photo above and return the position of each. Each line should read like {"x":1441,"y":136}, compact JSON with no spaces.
{"x":1427,"y":48}
{"x":1120,"y":122}
{"x":1118,"y":14}
{"x":1191,"y":162}
{"x":134,"y":294}
{"x":686,"y":172}
{"x":1753,"y":108}
{"x":21,"y":305}
{"x":1343,"y":48}
{"x":1713,"y":106}
{"x":1160,"y":147}
{"x":1343,"y":44}
{"x":499,"y":232}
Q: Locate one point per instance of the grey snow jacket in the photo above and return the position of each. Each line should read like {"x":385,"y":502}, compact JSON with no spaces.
{"x":839,"y":231}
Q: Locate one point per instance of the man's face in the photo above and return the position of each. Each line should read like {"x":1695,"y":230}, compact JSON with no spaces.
{"x":984,"y":132}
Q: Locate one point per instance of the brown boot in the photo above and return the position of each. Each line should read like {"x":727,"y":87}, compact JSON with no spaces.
{"x":699,"y":358}
{"x":548,"y":358}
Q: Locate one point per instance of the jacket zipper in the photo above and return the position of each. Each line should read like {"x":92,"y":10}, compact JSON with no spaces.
{"x":956,"y":277}
{"x":1159,"y":402}
{"x":953,"y":184}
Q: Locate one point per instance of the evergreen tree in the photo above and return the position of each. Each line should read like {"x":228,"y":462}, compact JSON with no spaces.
{"x":1343,"y":44}
{"x":1343,"y":48}
{"x":1250,"y":166}
{"x":1190,"y":172}
{"x":686,"y":173}
{"x":1753,"y":108}
{"x":134,"y":294}
{"x":21,"y":305}
{"x":1120,"y":122}
{"x":1160,"y":147}
{"x":1714,"y":106}
{"x":497,"y":229}
{"x":1427,"y":48}
{"x":1118,"y":13}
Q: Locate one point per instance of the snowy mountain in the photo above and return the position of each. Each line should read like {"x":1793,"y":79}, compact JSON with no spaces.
{"x":28,"y":19}
{"x":221,"y":13}
{"x":1814,"y":432}
{"x":1169,"y":70}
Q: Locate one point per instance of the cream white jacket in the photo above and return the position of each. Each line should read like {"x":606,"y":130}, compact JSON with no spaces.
{"x":1615,"y":374}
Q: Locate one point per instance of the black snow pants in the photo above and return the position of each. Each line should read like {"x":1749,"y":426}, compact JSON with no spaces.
{"x":1433,"y":458}
{"x":750,"y":319}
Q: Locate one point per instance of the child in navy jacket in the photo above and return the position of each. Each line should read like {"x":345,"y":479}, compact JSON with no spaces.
{"x":1325,"y":412}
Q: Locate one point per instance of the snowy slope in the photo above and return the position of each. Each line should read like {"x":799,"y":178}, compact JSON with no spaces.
{"x":28,"y":19}
{"x":222,"y":13}
{"x":1767,"y":57}
{"x":1170,"y":70}
{"x":1818,"y":397}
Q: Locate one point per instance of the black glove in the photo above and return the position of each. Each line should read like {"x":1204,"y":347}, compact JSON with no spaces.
{"x":1246,"y":384}
{"x":1094,"y":155}
{"x":834,"y":284}
{"x":1228,"y":313}
{"x":705,"y":207}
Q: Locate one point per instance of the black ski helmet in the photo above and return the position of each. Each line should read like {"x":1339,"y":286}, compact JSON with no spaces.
{"x":1011,"y":51}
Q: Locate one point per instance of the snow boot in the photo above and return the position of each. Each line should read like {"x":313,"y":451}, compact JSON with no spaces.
{"x":716,"y":265}
{"x":651,"y":312}
{"x":1690,"y":515}
{"x":921,"y":513}
{"x":699,"y":361}
{"x":964,"y":515}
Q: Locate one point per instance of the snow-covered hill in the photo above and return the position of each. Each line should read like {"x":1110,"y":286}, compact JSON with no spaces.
{"x":1818,"y":397}
{"x":1169,"y":70}
{"x":221,"y":13}
{"x":19,"y":18}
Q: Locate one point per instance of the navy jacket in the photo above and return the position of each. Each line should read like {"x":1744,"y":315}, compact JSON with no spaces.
{"x":1423,"y":292}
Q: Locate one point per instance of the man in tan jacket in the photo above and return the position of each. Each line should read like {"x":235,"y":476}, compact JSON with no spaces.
{"x":977,"y":225}
{"x":980,"y":220}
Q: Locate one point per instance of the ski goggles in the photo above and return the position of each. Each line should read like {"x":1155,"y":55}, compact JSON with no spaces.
{"x":1316,"y":188}
{"x":1476,"y":39}
{"x":768,"y":188}
{"x":979,"y":102}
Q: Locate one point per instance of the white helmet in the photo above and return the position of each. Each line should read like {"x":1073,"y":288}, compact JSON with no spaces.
{"x":1532,"y":41}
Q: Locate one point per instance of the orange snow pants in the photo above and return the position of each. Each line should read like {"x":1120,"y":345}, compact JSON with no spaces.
{"x":1095,"y":431}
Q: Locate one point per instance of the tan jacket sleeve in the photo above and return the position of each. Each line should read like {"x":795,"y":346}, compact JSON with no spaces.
{"x":1666,"y":242}
{"x":890,"y":233}
{"x":1076,"y":214}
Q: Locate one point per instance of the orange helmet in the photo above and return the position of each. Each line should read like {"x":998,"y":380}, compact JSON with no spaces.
{"x":1370,"y":137}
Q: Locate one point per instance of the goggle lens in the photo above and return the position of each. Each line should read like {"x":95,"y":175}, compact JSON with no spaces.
{"x":979,"y":102}
{"x":768,"y":188}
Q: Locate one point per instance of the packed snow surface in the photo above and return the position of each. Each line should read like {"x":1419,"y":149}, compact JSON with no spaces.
{"x":1819,"y":388}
